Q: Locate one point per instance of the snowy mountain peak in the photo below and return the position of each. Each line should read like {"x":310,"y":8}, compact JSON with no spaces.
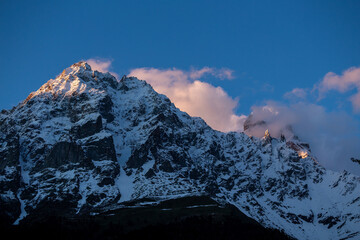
{"x":82,"y":64}
{"x":77,"y":68}
{"x":75,"y":80}
{"x":85,"y":142}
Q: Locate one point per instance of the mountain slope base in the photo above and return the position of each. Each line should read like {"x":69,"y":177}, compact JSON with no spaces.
{"x":184,"y":218}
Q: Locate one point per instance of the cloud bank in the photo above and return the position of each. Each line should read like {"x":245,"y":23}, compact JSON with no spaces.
{"x":197,"y":98}
{"x":333,"y":136}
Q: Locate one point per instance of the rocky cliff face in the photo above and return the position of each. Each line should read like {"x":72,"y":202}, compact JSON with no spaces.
{"x":85,"y":142}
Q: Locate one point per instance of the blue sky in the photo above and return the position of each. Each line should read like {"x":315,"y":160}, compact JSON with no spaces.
{"x":272,"y":47}
{"x":282,"y":44}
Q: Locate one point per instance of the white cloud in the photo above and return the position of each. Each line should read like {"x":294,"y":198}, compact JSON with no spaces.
{"x":296,"y":93}
{"x":349,"y":80}
{"x":101,"y":65}
{"x":333,"y":136}
{"x":195,"y":97}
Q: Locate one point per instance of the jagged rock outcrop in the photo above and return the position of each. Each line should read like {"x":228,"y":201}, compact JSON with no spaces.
{"x":85,"y":142}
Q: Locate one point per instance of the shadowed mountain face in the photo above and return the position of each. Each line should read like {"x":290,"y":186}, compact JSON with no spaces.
{"x":85,"y":143}
{"x":195,"y":217}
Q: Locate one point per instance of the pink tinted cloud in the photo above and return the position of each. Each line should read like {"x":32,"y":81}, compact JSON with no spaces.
{"x":355,"y":99}
{"x":196,"y":74}
{"x":197,"y":98}
{"x":348,"y":80}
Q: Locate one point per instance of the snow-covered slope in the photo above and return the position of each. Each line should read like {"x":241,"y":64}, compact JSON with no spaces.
{"x":85,"y":141}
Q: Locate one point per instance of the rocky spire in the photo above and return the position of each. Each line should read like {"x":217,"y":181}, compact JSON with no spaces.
{"x":267,"y":134}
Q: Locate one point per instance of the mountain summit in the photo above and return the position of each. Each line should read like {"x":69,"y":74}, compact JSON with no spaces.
{"x":85,"y":143}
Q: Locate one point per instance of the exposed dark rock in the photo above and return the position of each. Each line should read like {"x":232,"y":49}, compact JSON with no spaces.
{"x":229,"y":184}
{"x":195,"y":174}
{"x":293,"y":218}
{"x":87,"y":129}
{"x":94,"y":198}
{"x":215,"y":150}
{"x":107,"y":181}
{"x":64,"y":153}
{"x":140,"y":155}
{"x":309,"y":218}
{"x":150,"y":173}
{"x":100,"y":149}
{"x":355,"y":160}
{"x":9,"y":156}
{"x":330,"y":221}
{"x":179,"y":158}
{"x":105,"y":108}
{"x":166,"y":166}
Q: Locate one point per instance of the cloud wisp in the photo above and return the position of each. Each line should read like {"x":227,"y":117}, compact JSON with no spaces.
{"x":196,"y":97}
{"x":296,"y":94}
{"x":101,"y":65}
{"x":222,"y":73}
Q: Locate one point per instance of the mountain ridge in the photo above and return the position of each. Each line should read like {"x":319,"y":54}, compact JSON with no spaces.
{"x":86,"y":141}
